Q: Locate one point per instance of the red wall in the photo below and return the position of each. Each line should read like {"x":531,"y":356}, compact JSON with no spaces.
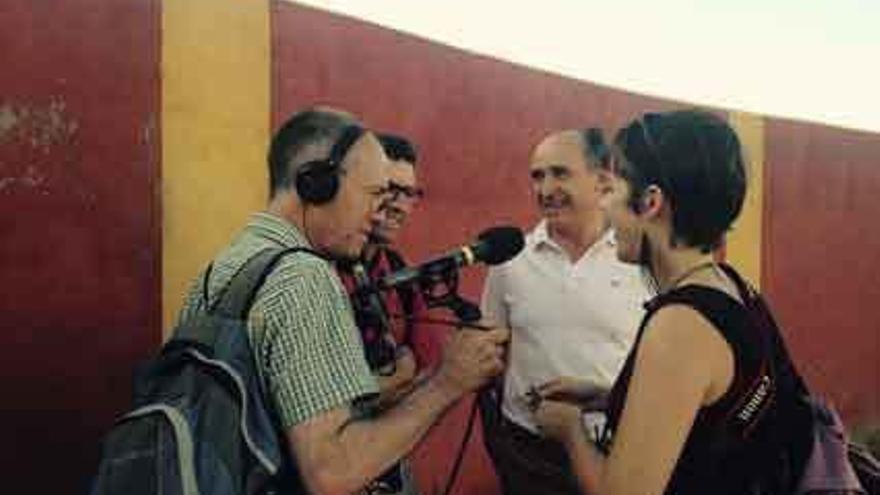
{"x":822,"y":257}
{"x":79,"y":228}
{"x":475,"y":121}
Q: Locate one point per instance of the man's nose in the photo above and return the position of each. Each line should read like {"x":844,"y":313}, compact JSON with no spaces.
{"x":377,"y":212}
{"x":544,"y":187}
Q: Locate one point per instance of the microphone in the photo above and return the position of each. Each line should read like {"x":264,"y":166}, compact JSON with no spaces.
{"x":493,"y":246}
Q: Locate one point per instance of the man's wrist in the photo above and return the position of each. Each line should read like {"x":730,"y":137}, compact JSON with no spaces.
{"x":445,"y":385}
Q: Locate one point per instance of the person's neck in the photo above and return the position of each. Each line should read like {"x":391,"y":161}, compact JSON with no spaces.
{"x":283,"y":209}
{"x":575,"y":239}
{"x":370,"y":252}
{"x":673,"y":267}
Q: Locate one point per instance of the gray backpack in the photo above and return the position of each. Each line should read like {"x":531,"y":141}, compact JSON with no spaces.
{"x":199,"y":424}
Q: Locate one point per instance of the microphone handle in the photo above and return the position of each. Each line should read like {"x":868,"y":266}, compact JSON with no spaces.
{"x":462,"y":256}
{"x":402,"y":276}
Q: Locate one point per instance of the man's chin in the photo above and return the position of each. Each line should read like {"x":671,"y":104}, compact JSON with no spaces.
{"x":346,"y":257}
{"x":349,"y":253}
{"x":383,"y":237}
{"x":557,"y":217}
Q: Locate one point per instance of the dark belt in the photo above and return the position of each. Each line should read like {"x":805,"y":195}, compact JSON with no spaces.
{"x":531,"y":444}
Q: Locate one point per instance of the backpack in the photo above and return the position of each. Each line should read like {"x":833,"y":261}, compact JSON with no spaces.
{"x":199,"y":424}
{"x":834,"y":465}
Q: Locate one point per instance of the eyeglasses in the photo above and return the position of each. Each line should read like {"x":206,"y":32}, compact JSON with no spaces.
{"x":397,"y":191}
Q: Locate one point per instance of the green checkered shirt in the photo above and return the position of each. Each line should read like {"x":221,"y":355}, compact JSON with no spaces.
{"x":307,"y":348}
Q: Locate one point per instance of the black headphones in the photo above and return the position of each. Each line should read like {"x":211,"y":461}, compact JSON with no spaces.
{"x":317,"y":181}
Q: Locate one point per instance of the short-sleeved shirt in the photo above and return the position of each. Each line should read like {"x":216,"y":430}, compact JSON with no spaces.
{"x":307,"y":349}
{"x":567,"y":318}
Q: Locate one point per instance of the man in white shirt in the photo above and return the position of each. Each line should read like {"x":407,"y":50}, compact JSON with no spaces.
{"x":572,"y":307}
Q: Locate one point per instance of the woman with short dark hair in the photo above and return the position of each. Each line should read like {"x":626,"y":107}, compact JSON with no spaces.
{"x":707,"y":400}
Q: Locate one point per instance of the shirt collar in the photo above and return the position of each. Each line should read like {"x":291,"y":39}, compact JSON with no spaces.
{"x":609,"y":238}
{"x":276,"y":229}
{"x":540,"y":238}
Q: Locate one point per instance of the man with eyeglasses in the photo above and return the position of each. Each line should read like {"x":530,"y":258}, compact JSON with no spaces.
{"x":396,"y":356}
{"x":572,"y":307}
{"x":404,"y":304}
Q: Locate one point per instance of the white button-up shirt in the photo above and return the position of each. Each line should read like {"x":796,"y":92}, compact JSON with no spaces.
{"x":567,"y":318}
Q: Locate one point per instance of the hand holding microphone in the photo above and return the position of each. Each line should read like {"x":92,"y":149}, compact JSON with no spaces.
{"x":473,"y":357}
{"x":475,"y":354}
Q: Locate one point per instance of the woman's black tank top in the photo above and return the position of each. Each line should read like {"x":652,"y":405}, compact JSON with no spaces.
{"x":757,"y":434}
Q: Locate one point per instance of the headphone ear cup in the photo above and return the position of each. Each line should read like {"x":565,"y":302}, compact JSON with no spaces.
{"x":317,"y":183}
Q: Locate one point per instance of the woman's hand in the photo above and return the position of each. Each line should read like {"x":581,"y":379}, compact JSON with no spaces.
{"x":586,"y":395}
{"x":559,"y":420}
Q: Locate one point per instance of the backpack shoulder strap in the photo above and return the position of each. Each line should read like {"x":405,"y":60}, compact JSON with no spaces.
{"x":721,"y":310}
{"x":763,"y":317}
{"x":233,"y":302}
{"x":236,"y":298}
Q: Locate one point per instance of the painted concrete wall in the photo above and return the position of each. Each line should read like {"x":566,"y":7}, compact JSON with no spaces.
{"x":117,"y":185}
{"x":79,"y":228}
{"x":822,"y":257}
{"x":215,"y":130}
{"x":743,"y":246}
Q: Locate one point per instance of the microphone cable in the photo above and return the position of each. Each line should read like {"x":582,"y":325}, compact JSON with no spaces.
{"x":472,"y":415}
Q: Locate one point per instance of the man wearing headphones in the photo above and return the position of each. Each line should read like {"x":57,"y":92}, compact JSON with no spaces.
{"x":327,"y":181}
{"x":572,"y":307}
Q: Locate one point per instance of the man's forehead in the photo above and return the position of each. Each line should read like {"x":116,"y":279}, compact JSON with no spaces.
{"x":561,"y":149}
{"x":366,"y":160}
{"x":401,"y":171}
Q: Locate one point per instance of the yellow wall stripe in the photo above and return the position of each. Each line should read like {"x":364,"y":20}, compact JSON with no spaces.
{"x":215,"y":129}
{"x":744,"y":242}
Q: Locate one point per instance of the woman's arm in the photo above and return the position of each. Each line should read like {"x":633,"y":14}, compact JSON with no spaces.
{"x":681,"y":364}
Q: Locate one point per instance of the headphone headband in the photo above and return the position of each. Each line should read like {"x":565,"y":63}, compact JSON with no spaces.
{"x":346,"y":140}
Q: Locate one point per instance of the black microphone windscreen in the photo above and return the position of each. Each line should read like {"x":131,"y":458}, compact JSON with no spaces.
{"x":499,"y":244}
